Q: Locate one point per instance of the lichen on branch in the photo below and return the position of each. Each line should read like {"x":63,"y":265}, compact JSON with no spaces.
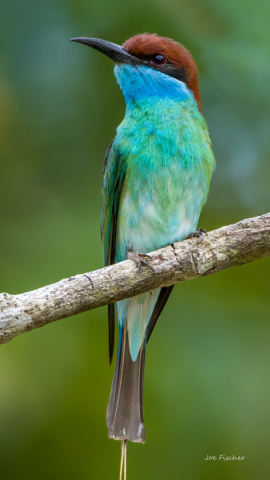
{"x":223,"y":248}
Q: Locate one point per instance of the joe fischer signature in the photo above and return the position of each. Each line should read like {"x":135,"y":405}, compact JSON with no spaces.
{"x":223,"y":457}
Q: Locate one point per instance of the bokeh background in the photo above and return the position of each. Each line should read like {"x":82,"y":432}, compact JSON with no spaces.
{"x":207,"y":389}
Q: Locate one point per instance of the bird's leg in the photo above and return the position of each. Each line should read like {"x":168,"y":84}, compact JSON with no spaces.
{"x":139,"y":259}
{"x":199,"y":233}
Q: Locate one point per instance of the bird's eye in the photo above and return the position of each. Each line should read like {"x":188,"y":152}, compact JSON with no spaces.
{"x":159,"y":59}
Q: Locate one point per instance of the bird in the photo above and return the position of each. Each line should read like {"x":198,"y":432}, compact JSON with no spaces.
{"x":157,"y":174}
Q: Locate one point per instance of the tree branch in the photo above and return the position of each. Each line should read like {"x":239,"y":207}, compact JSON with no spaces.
{"x":223,"y":248}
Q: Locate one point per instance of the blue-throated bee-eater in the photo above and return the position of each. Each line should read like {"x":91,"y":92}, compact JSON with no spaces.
{"x":156,"y":180}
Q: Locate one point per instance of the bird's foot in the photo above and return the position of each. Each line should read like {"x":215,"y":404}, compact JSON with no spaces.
{"x":199,"y":233}
{"x":139,"y":259}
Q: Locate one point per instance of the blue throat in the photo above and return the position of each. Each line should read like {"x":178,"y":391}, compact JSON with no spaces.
{"x":140,"y":82}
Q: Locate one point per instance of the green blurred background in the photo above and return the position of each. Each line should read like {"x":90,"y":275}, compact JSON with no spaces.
{"x":207,"y":389}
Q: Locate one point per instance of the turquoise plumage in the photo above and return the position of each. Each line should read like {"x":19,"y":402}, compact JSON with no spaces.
{"x":162,"y":151}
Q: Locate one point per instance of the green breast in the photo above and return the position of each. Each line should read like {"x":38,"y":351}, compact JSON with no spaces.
{"x":168,"y":167}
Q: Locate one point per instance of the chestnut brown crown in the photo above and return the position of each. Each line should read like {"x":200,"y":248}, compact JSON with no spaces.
{"x":178,"y":62}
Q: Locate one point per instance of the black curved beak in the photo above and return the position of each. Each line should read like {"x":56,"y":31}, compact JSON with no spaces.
{"x":115,"y":52}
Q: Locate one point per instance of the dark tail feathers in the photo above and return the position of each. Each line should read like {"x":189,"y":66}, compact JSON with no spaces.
{"x":125,"y":408}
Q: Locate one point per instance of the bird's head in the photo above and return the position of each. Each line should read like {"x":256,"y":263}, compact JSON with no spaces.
{"x":158,"y":53}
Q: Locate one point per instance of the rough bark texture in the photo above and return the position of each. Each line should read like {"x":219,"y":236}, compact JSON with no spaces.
{"x":226,"y":247}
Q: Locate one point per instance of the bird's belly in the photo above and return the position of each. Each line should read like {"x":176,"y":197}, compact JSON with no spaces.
{"x":157,"y":211}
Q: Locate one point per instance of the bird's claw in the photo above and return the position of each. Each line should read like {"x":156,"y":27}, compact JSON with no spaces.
{"x":139,"y":260}
{"x":199,"y":233}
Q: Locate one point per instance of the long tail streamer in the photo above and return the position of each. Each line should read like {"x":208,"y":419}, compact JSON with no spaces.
{"x":123,"y":460}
